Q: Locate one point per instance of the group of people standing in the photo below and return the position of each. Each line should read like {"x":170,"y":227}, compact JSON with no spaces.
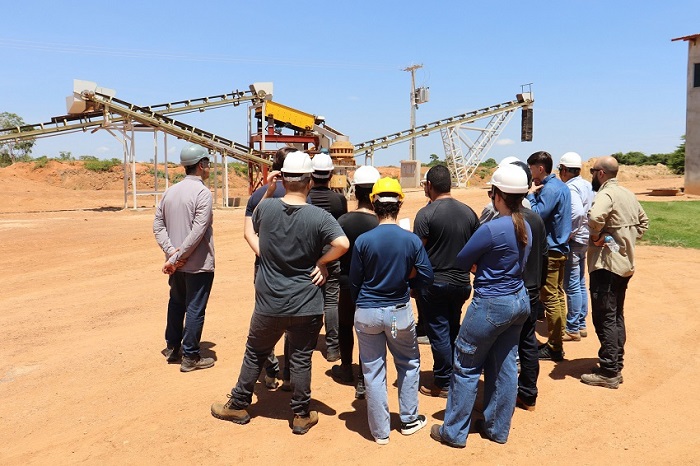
{"x":316,"y":262}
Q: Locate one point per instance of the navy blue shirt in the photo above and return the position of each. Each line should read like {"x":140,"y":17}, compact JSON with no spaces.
{"x":258,"y":194}
{"x":553,"y":204}
{"x":382,"y":260}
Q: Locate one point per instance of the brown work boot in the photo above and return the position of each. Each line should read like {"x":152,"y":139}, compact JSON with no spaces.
{"x":191,"y":363}
{"x":226,"y":412}
{"x":598,"y":380}
{"x":571,"y":336}
{"x":434,"y":390}
{"x":596,"y":370}
{"x":302,"y":424}
{"x":583,"y":332}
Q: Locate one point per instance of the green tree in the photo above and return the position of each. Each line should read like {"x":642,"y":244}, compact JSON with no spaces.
{"x":12,"y":151}
{"x":676,"y":159}
{"x":435,"y":160}
{"x":65,"y":156}
{"x":488,"y":163}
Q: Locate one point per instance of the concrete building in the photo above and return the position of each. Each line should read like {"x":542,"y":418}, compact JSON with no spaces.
{"x":692,"y":118}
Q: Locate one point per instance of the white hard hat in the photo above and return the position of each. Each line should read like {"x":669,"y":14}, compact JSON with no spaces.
{"x":192,"y":154}
{"x":297,"y":164}
{"x":323,"y":165}
{"x":508,"y":161}
{"x":570,"y":160}
{"x":365,"y":175}
{"x":510,"y":179}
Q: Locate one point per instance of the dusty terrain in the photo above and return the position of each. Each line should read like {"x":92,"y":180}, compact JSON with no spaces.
{"x":82,"y":379}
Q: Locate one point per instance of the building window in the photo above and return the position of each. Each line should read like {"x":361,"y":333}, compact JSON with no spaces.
{"x":696,"y":75}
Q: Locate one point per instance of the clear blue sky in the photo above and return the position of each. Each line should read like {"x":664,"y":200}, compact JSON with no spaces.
{"x":607,"y":77}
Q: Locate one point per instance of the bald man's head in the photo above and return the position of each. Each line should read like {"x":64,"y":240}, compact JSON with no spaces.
{"x":609,"y":165}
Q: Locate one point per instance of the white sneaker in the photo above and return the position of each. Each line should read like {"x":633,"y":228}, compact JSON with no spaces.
{"x":413,"y":427}
{"x":382,"y":441}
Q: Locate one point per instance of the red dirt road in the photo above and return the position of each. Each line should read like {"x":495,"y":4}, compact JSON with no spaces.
{"x":82,"y":379}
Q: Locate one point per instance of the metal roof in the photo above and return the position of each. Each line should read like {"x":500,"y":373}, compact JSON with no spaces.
{"x":694,"y":37}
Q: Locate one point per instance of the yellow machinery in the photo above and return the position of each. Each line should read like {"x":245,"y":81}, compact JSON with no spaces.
{"x":292,"y":118}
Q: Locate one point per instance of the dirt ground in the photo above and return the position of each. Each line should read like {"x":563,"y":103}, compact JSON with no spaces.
{"x":82,"y":379}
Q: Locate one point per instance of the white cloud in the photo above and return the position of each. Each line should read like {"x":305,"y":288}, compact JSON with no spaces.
{"x":505,"y":142}
{"x":102,"y":149}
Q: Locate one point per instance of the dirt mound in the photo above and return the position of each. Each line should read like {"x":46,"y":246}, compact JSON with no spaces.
{"x":74,"y":175}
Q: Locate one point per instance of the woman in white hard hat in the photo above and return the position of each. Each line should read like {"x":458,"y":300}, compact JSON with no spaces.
{"x":488,"y":337}
{"x":353,"y":224}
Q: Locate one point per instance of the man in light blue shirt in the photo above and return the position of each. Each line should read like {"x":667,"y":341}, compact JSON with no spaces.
{"x":575,"y":269}
{"x":551,"y":199}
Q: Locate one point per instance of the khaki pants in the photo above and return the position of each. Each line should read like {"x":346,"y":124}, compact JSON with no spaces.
{"x":554,"y":300}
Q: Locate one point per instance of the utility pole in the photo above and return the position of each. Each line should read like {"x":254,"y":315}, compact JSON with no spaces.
{"x":418,"y":96}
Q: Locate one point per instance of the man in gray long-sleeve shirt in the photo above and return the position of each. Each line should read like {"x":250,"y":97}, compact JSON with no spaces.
{"x":183,"y":230}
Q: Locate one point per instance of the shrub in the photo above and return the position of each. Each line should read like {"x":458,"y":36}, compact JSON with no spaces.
{"x":240,"y":168}
{"x":152,"y":170}
{"x":488,"y":163}
{"x":101,"y":165}
{"x":41,"y":162}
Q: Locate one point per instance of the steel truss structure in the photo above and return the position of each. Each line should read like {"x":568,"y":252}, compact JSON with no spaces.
{"x":453,"y":129}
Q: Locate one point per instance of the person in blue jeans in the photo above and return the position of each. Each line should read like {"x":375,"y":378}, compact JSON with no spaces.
{"x":386,"y":261}
{"x":575,"y":268}
{"x":488,"y":338}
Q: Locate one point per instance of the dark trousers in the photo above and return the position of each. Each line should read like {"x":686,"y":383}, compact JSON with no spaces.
{"x":346,"y":322}
{"x":441,"y":304}
{"x":527,"y":350}
{"x":265,"y":331}
{"x":189,"y":294}
{"x":330,"y":305}
{"x":607,"y":309}
{"x":272,"y":366}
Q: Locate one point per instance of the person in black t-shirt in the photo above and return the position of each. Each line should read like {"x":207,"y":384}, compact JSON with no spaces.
{"x":335,"y":204}
{"x":445,"y":225}
{"x":353,"y":224}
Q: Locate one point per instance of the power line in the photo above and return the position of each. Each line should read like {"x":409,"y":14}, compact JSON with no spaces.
{"x":160,"y":55}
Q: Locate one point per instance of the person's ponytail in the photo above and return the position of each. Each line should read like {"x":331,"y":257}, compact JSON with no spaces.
{"x":513,"y":203}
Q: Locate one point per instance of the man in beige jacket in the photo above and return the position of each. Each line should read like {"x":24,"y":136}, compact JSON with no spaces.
{"x":616,"y":221}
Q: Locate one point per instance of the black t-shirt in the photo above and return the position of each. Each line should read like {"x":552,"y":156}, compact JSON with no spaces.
{"x":447,"y":225}
{"x":354,"y":224}
{"x":330,"y":201}
{"x":536,"y":265}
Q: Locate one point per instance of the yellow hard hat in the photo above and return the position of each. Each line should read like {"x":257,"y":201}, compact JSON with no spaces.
{"x":386,"y":190}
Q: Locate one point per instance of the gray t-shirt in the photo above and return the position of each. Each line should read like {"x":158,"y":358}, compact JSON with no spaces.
{"x":291,"y":241}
